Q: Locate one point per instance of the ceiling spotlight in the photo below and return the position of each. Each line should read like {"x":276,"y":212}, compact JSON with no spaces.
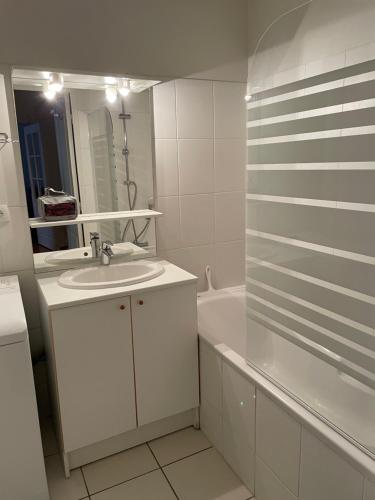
{"x":56,"y":82}
{"x":48,"y":92}
{"x":124,"y":87}
{"x":248,"y":97}
{"x":111,"y":94}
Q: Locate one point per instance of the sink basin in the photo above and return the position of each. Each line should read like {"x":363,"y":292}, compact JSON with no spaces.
{"x":111,"y":276}
{"x":79,"y":255}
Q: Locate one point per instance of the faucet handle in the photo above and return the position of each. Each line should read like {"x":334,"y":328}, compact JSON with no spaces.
{"x":94,"y":235}
{"x":106,"y":246}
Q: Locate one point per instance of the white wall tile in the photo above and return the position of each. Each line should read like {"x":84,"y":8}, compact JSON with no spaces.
{"x":200,"y":167}
{"x":211,"y":376}
{"x":289,"y":75}
{"x":211,"y":424}
{"x":239,"y":454}
{"x":325,"y":474}
{"x":239,"y":403}
{"x":330,"y":63}
{"x":197,"y":219}
{"x":194,"y":109}
{"x":13,"y":176}
{"x":360,"y":54}
{"x":230,"y":164}
{"x":194,"y":260}
{"x":278,"y":441}
{"x":165,"y":110}
{"x":230,"y":110}
{"x":268,"y":486}
{"x":11,"y":164}
{"x":15,"y":241}
{"x":166,"y":167}
{"x":369,"y":493}
{"x":239,"y":424}
{"x":168,"y":225}
{"x":229,"y":263}
{"x":229,"y":216}
{"x":195,"y":166}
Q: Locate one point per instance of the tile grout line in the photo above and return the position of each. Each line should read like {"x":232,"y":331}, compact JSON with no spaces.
{"x":145,"y":473}
{"x":123,"y":482}
{"x":187,"y":456}
{"x":162,"y":471}
{"x":84,"y":480}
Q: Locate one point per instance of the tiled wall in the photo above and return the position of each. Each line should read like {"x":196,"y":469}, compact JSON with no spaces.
{"x":200,"y":163}
{"x":277,"y":456}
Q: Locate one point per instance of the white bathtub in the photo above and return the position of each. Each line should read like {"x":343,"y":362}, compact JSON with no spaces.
{"x":222,"y":317}
{"x":222,"y":326}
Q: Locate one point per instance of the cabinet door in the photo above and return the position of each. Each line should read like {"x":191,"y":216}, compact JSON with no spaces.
{"x":165,"y":352}
{"x":95,"y":371}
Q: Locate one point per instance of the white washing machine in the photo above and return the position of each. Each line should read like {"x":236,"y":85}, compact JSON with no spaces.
{"x":22,"y":472}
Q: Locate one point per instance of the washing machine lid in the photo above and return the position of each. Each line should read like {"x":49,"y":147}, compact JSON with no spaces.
{"x":13,"y":327}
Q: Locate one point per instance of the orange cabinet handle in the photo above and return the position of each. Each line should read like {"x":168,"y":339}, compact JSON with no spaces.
{"x":122,"y":307}
{"x":140,"y":302}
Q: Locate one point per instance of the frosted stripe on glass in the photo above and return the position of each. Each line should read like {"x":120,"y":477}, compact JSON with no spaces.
{"x":311,"y":214}
{"x":338,"y":74}
{"x":325,"y":317}
{"x":342,"y":229}
{"x":349,"y":119}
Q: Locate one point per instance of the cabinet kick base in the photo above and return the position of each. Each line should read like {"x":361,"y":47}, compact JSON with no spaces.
{"x":127,"y":440}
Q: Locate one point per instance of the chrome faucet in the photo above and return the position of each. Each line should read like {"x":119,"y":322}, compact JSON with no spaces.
{"x":95,"y":245}
{"x":106,"y":253}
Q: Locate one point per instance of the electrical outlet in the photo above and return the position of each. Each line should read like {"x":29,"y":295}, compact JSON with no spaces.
{"x":4,"y":213}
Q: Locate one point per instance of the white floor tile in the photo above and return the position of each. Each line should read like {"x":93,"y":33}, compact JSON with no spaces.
{"x":268,"y":486}
{"x":60,"y":488}
{"x":181,"y":444}
{"x":49,"y":440}
{"x":150,"y":486}
{"x":118,"y":468}
{"x":205,"y":476}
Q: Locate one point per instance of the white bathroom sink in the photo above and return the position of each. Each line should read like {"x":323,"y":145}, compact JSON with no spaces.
{"x":78,"y":255}
{"x":113,"y":275}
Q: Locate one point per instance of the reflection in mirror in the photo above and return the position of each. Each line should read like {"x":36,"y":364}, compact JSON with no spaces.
{"x":90,"y":137}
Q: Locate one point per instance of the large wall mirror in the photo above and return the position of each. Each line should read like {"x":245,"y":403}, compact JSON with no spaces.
{"x":91,"y":137}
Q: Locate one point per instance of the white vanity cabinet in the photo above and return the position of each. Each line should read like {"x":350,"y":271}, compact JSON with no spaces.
{"x":93,"y":351}
{"x":165,"y":352}
{"x":120,"y":362}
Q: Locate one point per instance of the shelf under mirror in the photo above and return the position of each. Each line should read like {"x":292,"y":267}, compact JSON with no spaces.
{"x":38,"y":222}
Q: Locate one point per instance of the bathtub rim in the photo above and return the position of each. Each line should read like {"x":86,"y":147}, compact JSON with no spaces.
{"x":352,"y":453}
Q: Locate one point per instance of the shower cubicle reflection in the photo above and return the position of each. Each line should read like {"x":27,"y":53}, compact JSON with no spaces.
{"x":114,"y":161}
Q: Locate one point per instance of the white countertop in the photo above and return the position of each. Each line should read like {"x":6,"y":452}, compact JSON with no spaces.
{"x":13,"y":327}
{"x":56,"y":296}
